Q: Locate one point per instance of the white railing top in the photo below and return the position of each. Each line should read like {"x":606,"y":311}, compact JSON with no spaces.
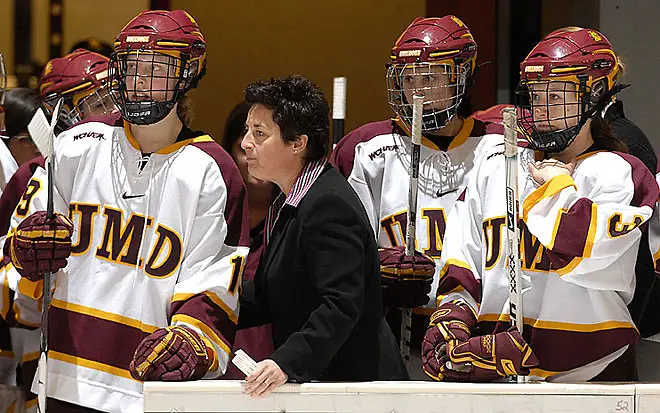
{"x":405,"y":397}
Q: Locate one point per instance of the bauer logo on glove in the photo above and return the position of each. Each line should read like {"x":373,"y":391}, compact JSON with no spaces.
{"x":40,"y":244}
{"x":172,"y":354}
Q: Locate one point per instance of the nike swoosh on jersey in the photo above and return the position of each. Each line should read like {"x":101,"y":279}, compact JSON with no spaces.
{"x":125,"y":196}
{"x":449,"y":191}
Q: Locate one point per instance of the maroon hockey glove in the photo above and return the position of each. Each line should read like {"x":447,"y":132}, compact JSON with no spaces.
{"x":453,"y":321}
{"x":40,"y":245}
{"x":406,"y":281}
{"x":172,"y":354}
{"x":489,"y":358}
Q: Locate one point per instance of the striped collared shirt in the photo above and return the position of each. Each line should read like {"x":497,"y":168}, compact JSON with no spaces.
{"x":307,"y":177}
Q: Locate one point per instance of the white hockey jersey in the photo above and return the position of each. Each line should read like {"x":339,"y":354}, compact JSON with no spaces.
{"x":379,"y":171}
{"x":158,"y":241}
{"x":578,"y":248}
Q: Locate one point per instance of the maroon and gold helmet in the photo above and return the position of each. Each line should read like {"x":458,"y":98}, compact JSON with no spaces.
{"x":435,"y":57}
{"x":564,"y":80}
{"x":80,"y":79}
{"x":159,"y":56}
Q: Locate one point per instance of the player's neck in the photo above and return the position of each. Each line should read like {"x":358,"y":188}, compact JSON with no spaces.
{"x":288,"y":178}
{"x":159,"y":135}
{"x":452,"y":128}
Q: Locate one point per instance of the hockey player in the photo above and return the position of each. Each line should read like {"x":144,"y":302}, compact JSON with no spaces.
{"x":80,"y":79}
{"x":435,"y":57}
{"x":583,"y":209}
{"x":150,"y":288}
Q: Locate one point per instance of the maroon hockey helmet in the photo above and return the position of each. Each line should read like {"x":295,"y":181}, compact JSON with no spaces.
{"x":80,"y":79}
{"x":159,"y":56}
{"x":435,"y":57}
{"x":565,"y":80}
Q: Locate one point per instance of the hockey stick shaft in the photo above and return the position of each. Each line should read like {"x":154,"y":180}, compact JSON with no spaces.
{"x":48,"y":276}
{"x":338,"y":108}
{"x":406,"y":314}
{"x":512,"y":231}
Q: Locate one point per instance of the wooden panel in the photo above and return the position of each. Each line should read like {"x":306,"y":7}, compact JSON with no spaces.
{"x":481,"y":17}
{"x":253,"y":39}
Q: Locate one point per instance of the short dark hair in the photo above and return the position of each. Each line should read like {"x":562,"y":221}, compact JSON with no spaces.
{"x":299,"y":108}
{"x":20,"y":105}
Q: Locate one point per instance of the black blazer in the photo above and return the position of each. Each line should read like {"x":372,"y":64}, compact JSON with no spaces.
{"x":318,"y":284}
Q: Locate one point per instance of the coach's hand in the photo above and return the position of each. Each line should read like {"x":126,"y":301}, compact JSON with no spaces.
{"x":40,"y":245}
{"x":172,"y":354}
{"x":265,"y":378}
{"x":489,"y":358}
{"x":406,"y":281}
{"x":452,"y":321}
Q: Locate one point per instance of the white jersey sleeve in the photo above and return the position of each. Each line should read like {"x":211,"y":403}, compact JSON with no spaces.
{"x":586,"y":233}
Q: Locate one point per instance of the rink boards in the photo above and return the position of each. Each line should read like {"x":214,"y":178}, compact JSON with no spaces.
{"x":405,"y":397}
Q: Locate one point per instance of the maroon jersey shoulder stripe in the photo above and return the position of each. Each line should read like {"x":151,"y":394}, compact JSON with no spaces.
{"x":343,"y":155}
{"x":236,"y":211}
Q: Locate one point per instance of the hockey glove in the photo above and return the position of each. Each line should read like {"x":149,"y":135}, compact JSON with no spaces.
{"x":40,"y":245}
{"x":453,"y":321}
{"x":489,"y":358}
{"x":406,"y":281}
{"x":172,"y":354}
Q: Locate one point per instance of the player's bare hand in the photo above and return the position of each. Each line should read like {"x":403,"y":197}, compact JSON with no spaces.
{"x":543,"y":171}
{"x":265,"y":378}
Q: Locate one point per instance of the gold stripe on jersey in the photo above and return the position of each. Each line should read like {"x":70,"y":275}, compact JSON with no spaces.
{"x":19,"y":320}
{"x":104,"y":315}
{"x":214,"y":298}
{"x":560,"y":325}
{"x":547,"y":190}
{"x":170,"y":148}
{"x":31,"y":289}
{"x":456,"y":263}
{"x":5,"y":294}
{"x":588,"y":244}
{"x":94,"y":365}
{"x":30,"y":357}
{"x":210,"y":334}
{"x":463,"y":134}
{"x":7,"y":354}
{"x":31,"y":403}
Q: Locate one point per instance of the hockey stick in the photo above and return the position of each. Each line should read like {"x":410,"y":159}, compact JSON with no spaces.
{"x":406,"y":313}
{"x":3,"y":92}
{"x":512,"y":232}
{"x":43,"y":347}
{"x":338,"y":108}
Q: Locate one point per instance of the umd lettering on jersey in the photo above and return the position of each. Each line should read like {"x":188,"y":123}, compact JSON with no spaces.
{"x":394,"y":227}
{"x":378,"y":152}
{"x":122,"y":239}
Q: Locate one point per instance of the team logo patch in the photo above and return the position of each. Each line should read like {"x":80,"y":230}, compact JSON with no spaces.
{"x":96,"y":135}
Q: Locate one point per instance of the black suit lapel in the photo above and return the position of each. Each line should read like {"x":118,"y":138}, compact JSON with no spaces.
{"x":277,"y":236}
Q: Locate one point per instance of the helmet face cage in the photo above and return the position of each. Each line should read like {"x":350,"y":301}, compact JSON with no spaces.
{"x":552,"y":112}
{"x":99,"y":102}
{"x":69,"y":114}
{"x":147,"y":84}
{"x":442,"y":84}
